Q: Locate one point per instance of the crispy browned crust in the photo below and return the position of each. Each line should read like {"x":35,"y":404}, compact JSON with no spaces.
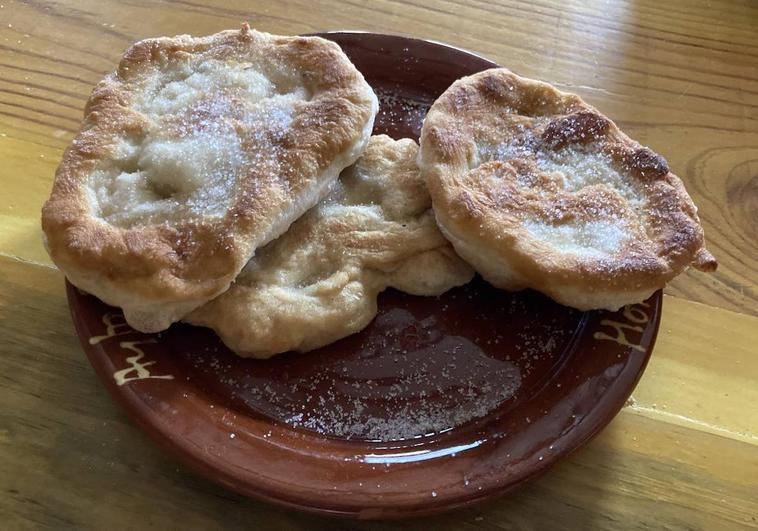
{"x":178,"y":266}
{"x":481,"y":204}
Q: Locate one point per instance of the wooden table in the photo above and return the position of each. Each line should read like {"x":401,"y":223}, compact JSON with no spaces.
{"x":679,"y":76}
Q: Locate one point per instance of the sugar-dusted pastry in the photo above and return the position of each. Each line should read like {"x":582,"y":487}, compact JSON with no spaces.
{"x":537,"y":189}
{"x":319,"y":281}
{"x":193,"y":154}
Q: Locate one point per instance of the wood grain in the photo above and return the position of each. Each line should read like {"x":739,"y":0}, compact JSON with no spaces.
{"x":69,"y":458}
{"x":679,"y":76}
{"x":682,"y":79}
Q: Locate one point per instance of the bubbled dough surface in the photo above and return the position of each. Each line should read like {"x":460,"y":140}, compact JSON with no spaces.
{"x":571,"y":170}
{"x":319,"y":281}
{"x":190,"y":163}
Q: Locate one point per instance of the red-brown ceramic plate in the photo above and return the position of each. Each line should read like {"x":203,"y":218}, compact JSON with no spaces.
{"x":439,"y":403}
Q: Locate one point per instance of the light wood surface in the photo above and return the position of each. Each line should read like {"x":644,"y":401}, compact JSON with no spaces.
{"x":679,"y":76}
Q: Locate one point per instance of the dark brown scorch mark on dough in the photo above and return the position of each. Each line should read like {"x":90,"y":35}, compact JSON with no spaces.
{"x":580,"y":127}
{"x":644,"y":163}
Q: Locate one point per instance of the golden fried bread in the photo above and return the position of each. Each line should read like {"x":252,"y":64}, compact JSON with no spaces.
{"x":193,"y":154}
{"x":318,"y":282}
{"x":537,"y":189}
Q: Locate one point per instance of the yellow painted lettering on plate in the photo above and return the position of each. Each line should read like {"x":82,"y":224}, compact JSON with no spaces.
{"x":115,"y":325}
{"x":634,"y":313}
{"x":137,"y":370}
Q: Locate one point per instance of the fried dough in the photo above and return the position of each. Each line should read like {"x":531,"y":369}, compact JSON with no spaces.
{"x":537,"y":189}
{"x":193,"y":154}
{"x":319,"y":281}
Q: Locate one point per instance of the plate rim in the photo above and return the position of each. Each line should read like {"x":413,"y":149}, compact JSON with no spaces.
{"x":173,"y":444}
